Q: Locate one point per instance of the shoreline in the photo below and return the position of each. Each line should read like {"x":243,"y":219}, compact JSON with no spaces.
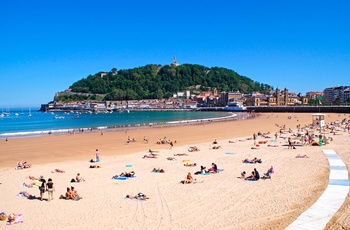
{"x":277,"y":202}
{"x":38,"y":133}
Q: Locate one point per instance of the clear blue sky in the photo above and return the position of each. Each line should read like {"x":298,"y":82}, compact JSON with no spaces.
{"x":45,"y":46}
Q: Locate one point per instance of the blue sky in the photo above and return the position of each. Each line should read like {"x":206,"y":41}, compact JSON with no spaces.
{"x":45,"y":46}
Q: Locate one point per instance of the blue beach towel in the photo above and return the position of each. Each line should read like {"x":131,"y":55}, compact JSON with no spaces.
{"x":230,"y":153}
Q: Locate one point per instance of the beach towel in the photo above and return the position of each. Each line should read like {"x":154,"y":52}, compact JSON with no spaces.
{"x":38,"y":183}
{"x":123,"y":177}
{"x":128,"y":165}
{"x":230,"y":153}
{"x":120,"y":178}
{"x":18,"y":220}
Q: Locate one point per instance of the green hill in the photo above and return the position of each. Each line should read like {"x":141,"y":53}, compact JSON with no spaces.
{"x":156,"y":82}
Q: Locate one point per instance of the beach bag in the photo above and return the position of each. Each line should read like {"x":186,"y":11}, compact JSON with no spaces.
{"x":3,"y":217}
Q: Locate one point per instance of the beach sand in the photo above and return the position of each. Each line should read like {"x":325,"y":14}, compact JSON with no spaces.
{"x":220,"y":201}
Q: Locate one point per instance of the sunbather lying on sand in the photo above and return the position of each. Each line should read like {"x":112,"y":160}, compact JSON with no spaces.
{"x":139,"y":196}
{"x":149,"y":156}
{"x":95,"y":166}
{"x":216,"y":147}
{"x":26,"y":194}
{"x":301,"y":156}
{"x":159,"y":170}
{"x":190,"y":164}
{"x":181,"y":154}
{"x":33,"y":178}
{"x":127,"y":174}
{"x":58,"y":171}
{"x":28,"y":185}
{"x":171,"y":158}
{"x":253,"y":161}
{"x":193,"y":149}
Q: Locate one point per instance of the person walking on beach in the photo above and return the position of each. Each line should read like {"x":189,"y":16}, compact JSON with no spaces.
{"x":50,"y":189}
{"x":97,"y":156}
{"x":42,"y":187}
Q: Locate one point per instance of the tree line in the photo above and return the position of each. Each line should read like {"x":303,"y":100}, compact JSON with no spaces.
{"x":158,"y":82}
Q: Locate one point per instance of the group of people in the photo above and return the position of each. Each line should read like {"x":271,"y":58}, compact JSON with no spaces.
{"x":255,"y":175}
{"x":22,"y":165}
{"x":71,"y":194}
{"x":204,"y":170}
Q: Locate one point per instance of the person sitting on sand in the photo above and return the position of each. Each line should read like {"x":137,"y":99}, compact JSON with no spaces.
{"x":214,"y":168}
{"x":254,"y":176}
{"x":202,"y":171}
{"x":139,"y":196}
{"x":267,"y":175}
{"x":189,"y":179}
{"x":159,"y":170}
{"x":242,"y":175}
{"x":26,"y":194}
{"x":95,"y":166}
{"x":151,"y":152}
{"x":301,"y":156}
{"x":78,"y":178}
{"x":75,"y":194}
{"x":190,"y":164}
{"x":20,"y":165}
{"x":68,"y":195}
{"x":11,"y":218}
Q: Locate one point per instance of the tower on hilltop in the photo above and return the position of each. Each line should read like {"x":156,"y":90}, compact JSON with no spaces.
{"x":175,"y":62}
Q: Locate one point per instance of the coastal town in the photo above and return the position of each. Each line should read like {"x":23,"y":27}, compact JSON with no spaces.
{"x":338,"y":95}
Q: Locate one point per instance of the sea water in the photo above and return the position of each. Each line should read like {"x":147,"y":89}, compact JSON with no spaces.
{"x":32,"y":122}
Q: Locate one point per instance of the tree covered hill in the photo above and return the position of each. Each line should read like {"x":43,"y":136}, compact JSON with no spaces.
{"x":157,"y":82}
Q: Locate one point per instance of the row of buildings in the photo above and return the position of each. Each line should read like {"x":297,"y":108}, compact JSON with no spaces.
{"x":187,"y":100}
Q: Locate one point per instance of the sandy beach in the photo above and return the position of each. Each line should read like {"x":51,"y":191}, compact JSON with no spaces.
{"x":220,"y":201}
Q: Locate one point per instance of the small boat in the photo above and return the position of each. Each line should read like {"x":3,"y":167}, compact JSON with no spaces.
{"x":58,"y":117}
